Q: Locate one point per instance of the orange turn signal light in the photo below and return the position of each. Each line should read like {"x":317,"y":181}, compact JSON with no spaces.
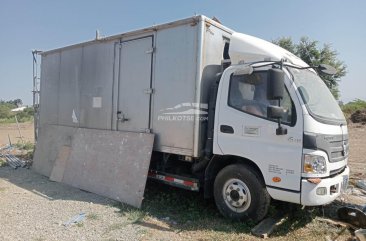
{"x":308,"y":168}
{"x":276,"y":179}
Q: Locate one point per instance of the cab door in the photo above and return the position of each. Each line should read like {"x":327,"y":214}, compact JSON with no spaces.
{"x":242,"y":128}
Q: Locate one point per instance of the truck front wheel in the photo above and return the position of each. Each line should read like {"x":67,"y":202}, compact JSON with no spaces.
{"x":240,"y":193}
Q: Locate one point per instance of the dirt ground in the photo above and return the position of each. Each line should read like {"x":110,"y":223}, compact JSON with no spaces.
{"x":11,"y":131}
{"x":357,"y":159}
{"x":34,"y":208}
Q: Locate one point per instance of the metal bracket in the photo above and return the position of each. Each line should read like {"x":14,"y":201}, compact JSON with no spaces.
{"x":121,"y":117}
{"x":150,"y":51}
{"x":149,"y":91}
{"x":147,"y":130}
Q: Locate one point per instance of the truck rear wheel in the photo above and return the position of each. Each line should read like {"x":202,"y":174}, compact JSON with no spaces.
{"x":240,"y":193}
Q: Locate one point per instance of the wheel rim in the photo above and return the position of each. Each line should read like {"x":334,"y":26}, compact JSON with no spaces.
{"x":236,"y":195}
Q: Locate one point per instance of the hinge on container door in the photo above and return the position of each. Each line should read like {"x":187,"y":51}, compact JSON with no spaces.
{"x":150,"y":51}
{"x":147,"y":130}
{"x":149,"y":91}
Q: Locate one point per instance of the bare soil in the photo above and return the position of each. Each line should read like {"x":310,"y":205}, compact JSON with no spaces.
{"x":357,"y":158}
{"x":11,"y":131}
{"x":34,"y":208}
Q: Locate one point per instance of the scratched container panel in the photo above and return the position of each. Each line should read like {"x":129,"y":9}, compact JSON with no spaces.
{"x":110,"y":163}
{"x":69,"y":87}
{"x":49,"y":89}
{"x":51,"y":139}
{"x":96,"y":86}
{"x":192,"y":53}
{"x":175,"y":85}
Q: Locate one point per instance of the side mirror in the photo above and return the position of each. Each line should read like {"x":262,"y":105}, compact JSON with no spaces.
{"x":275,"y":89}
{"x":275,"y":84}
{"x":275,"y":112}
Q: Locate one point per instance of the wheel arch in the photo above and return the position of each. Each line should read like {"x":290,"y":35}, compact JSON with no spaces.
{"x":218,"y":162}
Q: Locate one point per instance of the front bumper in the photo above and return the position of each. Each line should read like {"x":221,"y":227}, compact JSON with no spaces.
{"x":338,"y":183}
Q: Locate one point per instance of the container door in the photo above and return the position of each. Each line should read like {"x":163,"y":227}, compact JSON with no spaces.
{"x":134,"y":85}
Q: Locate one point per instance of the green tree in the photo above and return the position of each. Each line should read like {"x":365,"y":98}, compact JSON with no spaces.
{"x":26,"y":115}
{"x":16,"y":102}
{"x":309,"y":51}
{"x":5,"y":110}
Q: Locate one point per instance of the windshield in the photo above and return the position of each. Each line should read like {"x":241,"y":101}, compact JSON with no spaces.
{"x":316,"y":96}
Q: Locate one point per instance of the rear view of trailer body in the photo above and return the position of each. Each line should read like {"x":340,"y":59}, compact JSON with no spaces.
{"x":149,"y":80}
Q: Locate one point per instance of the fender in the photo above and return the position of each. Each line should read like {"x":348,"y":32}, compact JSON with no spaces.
{"x":217,"y":163}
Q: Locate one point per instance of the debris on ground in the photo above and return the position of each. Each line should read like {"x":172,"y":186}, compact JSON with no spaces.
{"x":268,"y":225}
{"x":361,"y":184}
{"x":347,"y":213}
{"x":14,"y":162}
{"x":352,"y":215}
{"x":336,"y":223}
{"x":75,"y":220}
{"x":359,"y":116}
{"x":361,"y":234}
{"x":7,"y":153}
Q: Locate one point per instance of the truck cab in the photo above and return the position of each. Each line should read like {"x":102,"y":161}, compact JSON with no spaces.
{"x":306,"y":164}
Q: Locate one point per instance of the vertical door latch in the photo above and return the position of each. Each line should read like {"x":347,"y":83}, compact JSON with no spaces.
{"x":121,"y":117}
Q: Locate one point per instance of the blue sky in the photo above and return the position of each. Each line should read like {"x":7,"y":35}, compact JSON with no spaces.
{"x":44,"y":25}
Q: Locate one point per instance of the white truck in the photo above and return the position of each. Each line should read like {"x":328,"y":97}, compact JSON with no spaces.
{"x":237,"y":117}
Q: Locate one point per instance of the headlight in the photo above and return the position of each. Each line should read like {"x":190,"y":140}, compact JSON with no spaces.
{"x":314,"y":164}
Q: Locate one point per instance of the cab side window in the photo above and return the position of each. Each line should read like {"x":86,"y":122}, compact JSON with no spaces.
{"x":248,"y":93}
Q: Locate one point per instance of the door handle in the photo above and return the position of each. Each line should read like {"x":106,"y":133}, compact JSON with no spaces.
{"x":226,"y":129}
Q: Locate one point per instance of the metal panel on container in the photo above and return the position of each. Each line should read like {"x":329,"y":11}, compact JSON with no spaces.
{"x":50,"y":74}
{"x":175,"y":88}
{"x":214,"y":38}
{"x":96,"y":86}
{"x":134,"y":85}
{"x":51,"y":139}
{"x":69,"y":87}
{"x":110,"y":163}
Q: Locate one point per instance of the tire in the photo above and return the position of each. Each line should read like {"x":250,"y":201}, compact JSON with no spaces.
{"x":240,"y":193}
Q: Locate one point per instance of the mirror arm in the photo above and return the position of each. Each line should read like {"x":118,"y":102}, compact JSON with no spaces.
{"x":323,"y":68}
{"x":280,"y":130}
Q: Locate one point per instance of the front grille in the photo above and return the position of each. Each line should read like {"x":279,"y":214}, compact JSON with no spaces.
{"x":338,"y":150}
{"x":336,"y":146}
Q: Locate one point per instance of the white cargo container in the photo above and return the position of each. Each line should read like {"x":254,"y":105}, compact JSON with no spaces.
{"x":212,"y":99}
{"x":125,"y":82}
